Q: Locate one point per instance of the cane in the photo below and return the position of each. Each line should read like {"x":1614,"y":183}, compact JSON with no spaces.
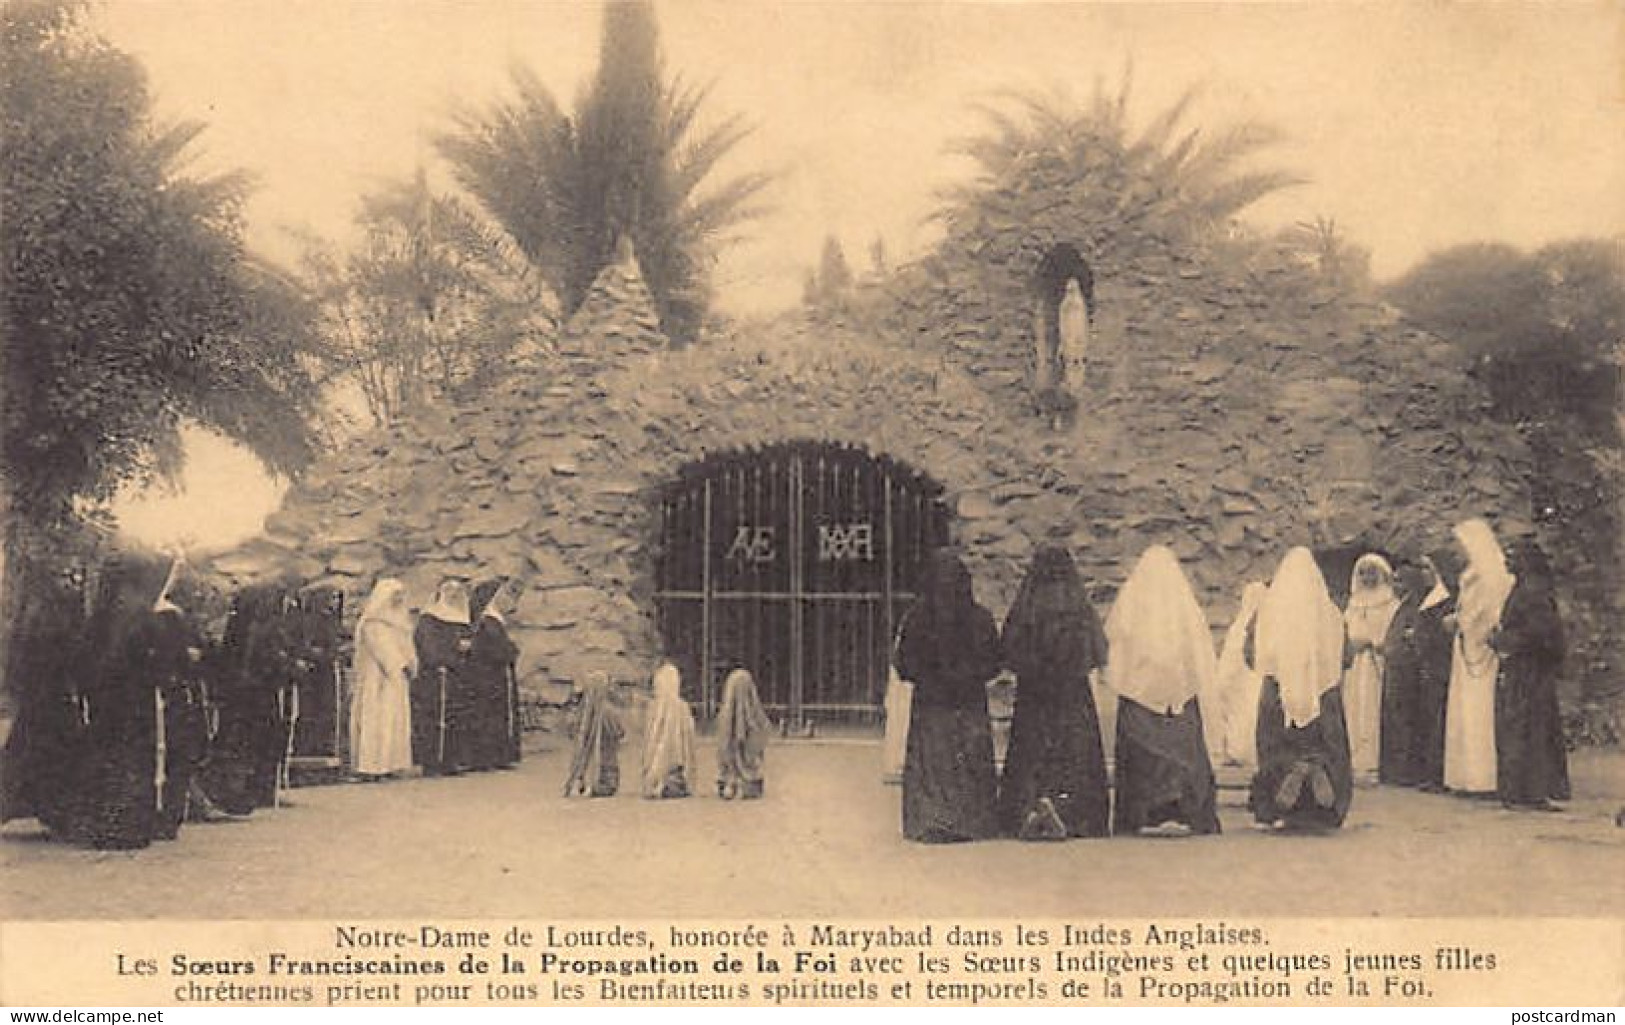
{"x":440,"y":742}
{"x":160,"y":775}
{"x":513,"y":733}
{"x":288,"y":699}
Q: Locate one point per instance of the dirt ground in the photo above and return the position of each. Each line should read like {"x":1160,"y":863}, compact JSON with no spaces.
{"x":824,"y":843}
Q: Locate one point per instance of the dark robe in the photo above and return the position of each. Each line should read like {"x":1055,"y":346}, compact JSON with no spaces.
{"x":315,"y":674}
{"x":1163,"y":771}
{"x":1400,"y":752}
{"x":1531,"y":759}
{"x":442,"y":699}
{"x":46,"y":754}
{"x":122,"y":699}
{"x":1054,"y":783}
{"x":1431,"y":643}
{"x":949,"y":650}
{"x":490,"y":669}
{"x":248,"y":684}
{"x":186,"y":733}
{"x":1294,"y":755}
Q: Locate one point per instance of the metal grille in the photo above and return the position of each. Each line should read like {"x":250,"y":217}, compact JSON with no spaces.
{"x":795,"y":561}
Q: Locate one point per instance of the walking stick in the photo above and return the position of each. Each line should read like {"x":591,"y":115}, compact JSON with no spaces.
{"x":513,"y":733}
{"x":288,"y":699}
{"x":160,"y":775}
{"x":440,"y":742}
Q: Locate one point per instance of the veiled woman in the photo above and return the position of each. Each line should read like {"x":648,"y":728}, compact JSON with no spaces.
{"x":1235,"y":718}
{"x":668,"y":740}
{"x":1434,"y":641}
{"x":125,"y":743}
{"x":1532,"y":764}
{"x":1054,"y":784}
{"x":441,"y":703}
{"x":742,"y":731}
{"x":1304,"y":779}
{"x":47,"y":754}
{"x":1399,"y":758}
{"x":949,"y":650}
{"x":1475,"y":665}
{"x":1371,"y":608}
{"x":494,"y":685}
{"x":250,"y":671}
{"x":1161,"y":658}
{"x":595,"y":769}
{"x":174,"y":649}
{"x":381,"y":705}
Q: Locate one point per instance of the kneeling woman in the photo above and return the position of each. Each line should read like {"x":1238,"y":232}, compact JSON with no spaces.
{"x":668,"y":744}
{"x":1160,"y":656}
{"x":950,"y":649}
{"x":1305,"y":779}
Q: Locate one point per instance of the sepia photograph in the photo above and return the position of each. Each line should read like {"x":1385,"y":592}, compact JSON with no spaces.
{"x":1037,"y":493}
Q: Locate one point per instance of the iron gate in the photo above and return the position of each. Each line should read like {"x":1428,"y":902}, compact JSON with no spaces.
{"x":795,"y":561}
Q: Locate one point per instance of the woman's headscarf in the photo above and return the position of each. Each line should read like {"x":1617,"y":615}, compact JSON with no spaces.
{"x":164,"y":602}
{"x":1372,"y":607}
{"x":742,"y":725}
{"x":387,"y":604}
{"x":1439,"y":592}
{"x":949,"y":647}
{"x":1485,"y":583}
{"x":386,"y":607}
{"x":450,"y":604}
{"x":1160,"y":648}
{"x":598,"y":719}
{"x":1051,"y":633}
{"x":1299,"y":640}
{"x":668,"y":741}
{"x":482,"y":602}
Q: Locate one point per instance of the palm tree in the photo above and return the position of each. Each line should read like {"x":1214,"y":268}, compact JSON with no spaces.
{"x":1048,"y":144}
{"x":631,"y":161}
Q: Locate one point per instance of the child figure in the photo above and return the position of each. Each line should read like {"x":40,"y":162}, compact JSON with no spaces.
{"x":742,"y":729}
{"x":668,"y":743}
{"x":596,"y":768}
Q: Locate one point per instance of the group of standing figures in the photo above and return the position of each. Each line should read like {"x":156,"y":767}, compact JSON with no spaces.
{"x":438,"y":693}
{"x":1442,"y":676}
{"x":134,"y":721}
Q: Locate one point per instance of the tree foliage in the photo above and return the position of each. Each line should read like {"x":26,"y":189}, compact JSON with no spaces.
{"x":1183,"y":178}
{"x":632,"y":159}
{"x":432,"y":298}
{"x":130,"y":303}
{"x":1544,"y":328}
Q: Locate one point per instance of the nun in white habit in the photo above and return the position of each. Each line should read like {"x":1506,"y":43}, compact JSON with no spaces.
{"x":1475,"y":666}
{"x":381,"y":705}
{"x":1372,"y":604}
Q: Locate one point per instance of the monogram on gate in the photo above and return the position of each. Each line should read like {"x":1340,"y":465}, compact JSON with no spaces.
{"x":846,"y":542}
{"x":752,"y":544}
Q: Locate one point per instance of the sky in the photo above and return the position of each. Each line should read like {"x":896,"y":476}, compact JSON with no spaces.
{"x":1419,"y":125}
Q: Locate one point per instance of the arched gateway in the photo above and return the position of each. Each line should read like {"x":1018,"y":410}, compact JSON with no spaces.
{"x":798,"y":562}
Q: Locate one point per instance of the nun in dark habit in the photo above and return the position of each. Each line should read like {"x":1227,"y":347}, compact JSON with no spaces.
{"x":949,"y":649}
{"x":1532,"y":767}
{"x":249,"y":672}
{"x":1054,"y":784}
{"x":1305,"y":777}
{"x":1161,"y":657}
{"x":47,"y":753}
{"x":493,"y":685}
{"x":441,"y":699}
{"x":124,"y":708}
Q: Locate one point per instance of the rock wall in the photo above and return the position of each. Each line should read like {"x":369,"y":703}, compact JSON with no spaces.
{"x":554,"y":477}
